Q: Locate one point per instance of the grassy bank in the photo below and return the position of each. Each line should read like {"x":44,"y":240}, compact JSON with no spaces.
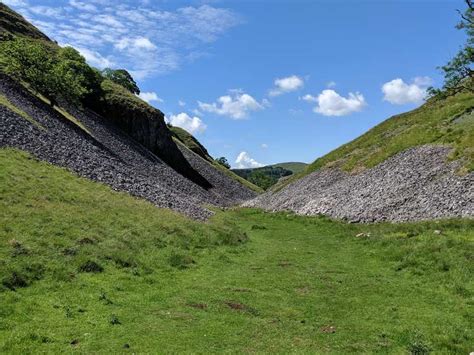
{"x":84,"y":268}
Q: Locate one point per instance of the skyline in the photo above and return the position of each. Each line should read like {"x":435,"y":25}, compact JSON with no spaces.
{"x":215,"y":68}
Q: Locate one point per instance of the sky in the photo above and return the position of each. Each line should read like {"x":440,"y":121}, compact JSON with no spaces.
{"x":261,"y":82}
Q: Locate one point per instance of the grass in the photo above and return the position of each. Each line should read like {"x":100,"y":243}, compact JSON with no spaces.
{"x":87,"y":269}
{"x":5,"y":102}
{"x":190,"y":142}
{"x":433,"y":123}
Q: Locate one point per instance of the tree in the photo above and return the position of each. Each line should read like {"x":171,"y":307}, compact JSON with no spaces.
{"x":458,"y":72}
{"x":123,"y":78}
{"x":53,"y":73}
{"x":29,"y":62}
{"x":223,"y":161}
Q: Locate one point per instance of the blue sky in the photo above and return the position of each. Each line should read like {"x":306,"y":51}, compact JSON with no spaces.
{"x":261,"y":82}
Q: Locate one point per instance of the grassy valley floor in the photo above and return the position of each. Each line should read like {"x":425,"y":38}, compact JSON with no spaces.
{"x":87,"y":269}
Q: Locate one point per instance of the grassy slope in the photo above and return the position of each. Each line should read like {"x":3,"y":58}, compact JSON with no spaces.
{"x":191,"y":142}
{"x":13,"y":23}
{"x":433,"y":122}
{"x":403,"y":288}
{"x":226,"y":171}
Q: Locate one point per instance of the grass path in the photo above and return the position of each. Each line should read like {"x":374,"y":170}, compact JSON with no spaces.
{"x":172,"y":285}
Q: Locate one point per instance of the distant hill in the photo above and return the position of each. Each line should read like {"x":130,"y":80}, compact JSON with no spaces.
{"x":294,"y":167}
{"x":267,"y":176}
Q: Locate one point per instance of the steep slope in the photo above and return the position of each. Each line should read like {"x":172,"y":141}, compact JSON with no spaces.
{"x":190,"y":141}
{"x":95,"y":148}
{"x":187,"y":140}
{"x":12,"y":23}
{"x":414,"y":166}
{"x":113,"y":137}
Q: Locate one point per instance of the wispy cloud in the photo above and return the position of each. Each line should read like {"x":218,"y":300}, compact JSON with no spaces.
{"x":140,"y":36}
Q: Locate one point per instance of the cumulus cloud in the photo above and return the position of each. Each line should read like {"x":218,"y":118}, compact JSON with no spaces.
{"x":330,"y":103}
{"x":399,"y":93}
{"x":142,"y":37}
{"x":181,"y":103}
{"x":264,"y":146}
{"x":191,"y":124}
{"x":237,"y":106}
{"x":244,"y":161}
{"x":285,"y":85}
{"x":150,"y":96}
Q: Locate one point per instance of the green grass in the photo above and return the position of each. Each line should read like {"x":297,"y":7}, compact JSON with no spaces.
{"x":433,"y":123}
{"x":94,"y":270}
{"x":190,"y":142}
{"x":5,"y":102}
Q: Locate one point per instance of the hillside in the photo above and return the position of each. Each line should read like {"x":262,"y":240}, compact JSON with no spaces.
{"x":111,"y":136}
{"x":417,"y":165}
{"x":98,"y":271}
{"x":267,"y":176}
{"x":12,"y":23}
{"x":294,"y":167}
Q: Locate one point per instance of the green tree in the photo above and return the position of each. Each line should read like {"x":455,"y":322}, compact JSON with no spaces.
{"x":123,"y":78}
{"x":29,"y":62}
{"x":458,"y":72}
{"x":224,"y":162}
{"x":53,"y":73}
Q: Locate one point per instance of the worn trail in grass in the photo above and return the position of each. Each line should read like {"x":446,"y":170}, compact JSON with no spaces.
{"x":88,"y":269}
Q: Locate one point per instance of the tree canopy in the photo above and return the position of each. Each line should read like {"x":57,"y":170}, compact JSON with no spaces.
{"x":123,"y":78}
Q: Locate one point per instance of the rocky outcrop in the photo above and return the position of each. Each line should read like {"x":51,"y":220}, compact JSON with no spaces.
{"x":417,"y":184}
{"x":106,"y":154}
{"x":146,"y":125}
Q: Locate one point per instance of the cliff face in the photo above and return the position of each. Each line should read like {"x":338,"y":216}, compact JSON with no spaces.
{"x":146,"y":125}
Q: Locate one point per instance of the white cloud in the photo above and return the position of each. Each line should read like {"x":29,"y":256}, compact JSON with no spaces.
{"x":244,"y":161}
{"x":236,"y":106}
{"x":331,"y":84}
{"x":83,"y":6}
{"x":399,"y":93}
{"x":140,"y":36}
{"x":46,"y":11}
{"x":264,"y":146}
{"x":95,"y":59}
{"x":15,"y":2}
{"x":181,"y":103}
{"x":191,"y":124}
{"x":330,"y":103}
{"x":285,"y":85}
{"x":135,"y":44}
{"x":149,"y":97}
